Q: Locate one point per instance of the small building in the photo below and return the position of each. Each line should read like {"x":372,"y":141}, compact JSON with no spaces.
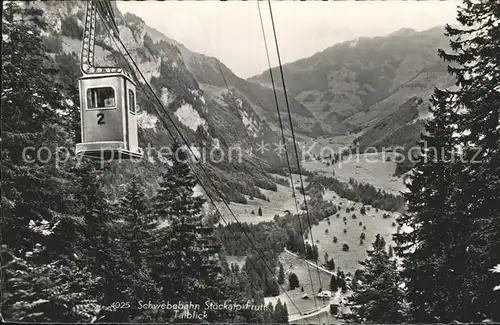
{"x":324,"y":294}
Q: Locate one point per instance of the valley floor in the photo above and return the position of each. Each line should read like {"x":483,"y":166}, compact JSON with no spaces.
{"x":372,"y":169}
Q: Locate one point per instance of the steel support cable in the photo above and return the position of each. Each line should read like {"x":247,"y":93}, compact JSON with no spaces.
{"x":257,"y":159}
{"x":293,"y":134}
{"x":192,"y":153}
{"x":284,"y":141}
{"x":232,"y":97}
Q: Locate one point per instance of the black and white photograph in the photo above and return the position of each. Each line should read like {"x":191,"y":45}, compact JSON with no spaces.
{"x":250,"y":162}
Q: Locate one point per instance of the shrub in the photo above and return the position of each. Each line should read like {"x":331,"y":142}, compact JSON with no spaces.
{"x":329,"y":222}
{"x":361,"y":241}
{"x":335,"y":239}
{"x":354,"y":216}
{"x":364,"y":227}
{"x":360,"y":223}
{"x":345,"y":231}
{"x":362,"y":236}
{"x":344,"y":218}
{"x":253,"y":212}
{"x":394,"y":224}
{"x":352,"y":209}
{"x":363,"y":210}
{"x":326,"y":231}
{"x":345,"y":247}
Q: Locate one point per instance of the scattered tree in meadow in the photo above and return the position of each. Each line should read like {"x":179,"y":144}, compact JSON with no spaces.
{"x":293,"y":281}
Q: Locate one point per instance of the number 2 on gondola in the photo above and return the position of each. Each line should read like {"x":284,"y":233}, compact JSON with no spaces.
{"x":100,"y":118}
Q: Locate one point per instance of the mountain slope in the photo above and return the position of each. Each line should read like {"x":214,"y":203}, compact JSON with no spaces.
{"x":401,"y":128}
{"x":208,"y":121}
{"x":351,"y":84}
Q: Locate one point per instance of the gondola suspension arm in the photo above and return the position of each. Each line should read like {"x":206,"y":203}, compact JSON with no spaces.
{"x":87,"y":64}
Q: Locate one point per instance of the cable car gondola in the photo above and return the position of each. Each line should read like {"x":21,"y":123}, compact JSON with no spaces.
{"x":108,"y":104}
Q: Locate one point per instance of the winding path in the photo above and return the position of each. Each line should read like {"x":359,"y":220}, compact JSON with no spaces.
{"x":311,"y":263}
{"x":325,"y":309}
{"x":322,"y":310}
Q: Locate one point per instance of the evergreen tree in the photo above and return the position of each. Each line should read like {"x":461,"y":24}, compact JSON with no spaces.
{"x":43,"y":277}
{"x":30,"y":99}
{"x":378,"y":297}
{"x":36,"y":292}
{"x":284,"y":314}
{"x":281,"y":275}
{"x":476,"y":67}
{"x":433,"y":220}
{"x":182,"y":258}
{"x":135,"y":240}
{"x":315,"y":253}
{"x":454,"y":204}
{"x":280,"y":314}
{"x":331,"y":264}
{"x":107,"y":251}
{"x":333,"y":283}
{"x":259,"y":212}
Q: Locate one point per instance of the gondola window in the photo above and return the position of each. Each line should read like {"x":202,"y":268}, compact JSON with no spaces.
{"x":103,"y":97}
{"x":131,"y":101}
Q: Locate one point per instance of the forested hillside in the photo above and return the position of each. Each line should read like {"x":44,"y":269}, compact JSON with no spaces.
{"x":207,"y":119}
{"x":71,"y":251}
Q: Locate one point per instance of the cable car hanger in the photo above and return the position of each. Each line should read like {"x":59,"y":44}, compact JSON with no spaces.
{"x":107,"y":99}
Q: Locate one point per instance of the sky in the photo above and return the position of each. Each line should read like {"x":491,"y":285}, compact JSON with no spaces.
{"x":231,"y":30}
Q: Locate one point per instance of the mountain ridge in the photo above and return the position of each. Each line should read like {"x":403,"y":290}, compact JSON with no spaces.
{"x":353,"y":83}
